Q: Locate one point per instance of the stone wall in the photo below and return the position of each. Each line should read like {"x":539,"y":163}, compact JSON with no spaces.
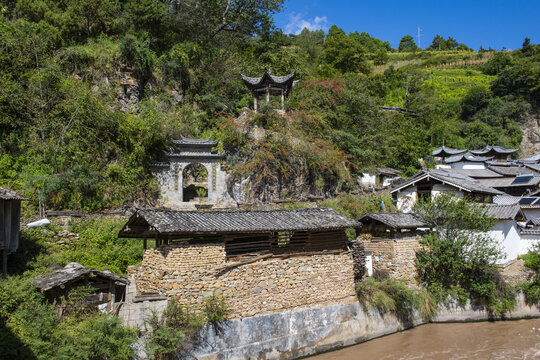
{"x":191,"y":272}
{"x":394,"y":255}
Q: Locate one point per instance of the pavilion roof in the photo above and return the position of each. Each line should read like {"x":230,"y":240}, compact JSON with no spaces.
{"x":493,"y":150}
{"x":286,"y":82}
{"x":197,"y":142}
{"x":444,"y":151}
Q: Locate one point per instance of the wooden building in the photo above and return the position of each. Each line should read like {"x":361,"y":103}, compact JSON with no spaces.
{"x":109,"y":289}
{"x":270,"y":85}
{"x":244,"y":232}
{"x":10,"y":214}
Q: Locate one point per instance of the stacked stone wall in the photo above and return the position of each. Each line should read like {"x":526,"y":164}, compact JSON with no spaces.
{"x":190,"y":273}
{"x":395,"y":256}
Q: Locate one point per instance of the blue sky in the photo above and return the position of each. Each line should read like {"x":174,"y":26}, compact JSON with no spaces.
{"x":490,"y":23}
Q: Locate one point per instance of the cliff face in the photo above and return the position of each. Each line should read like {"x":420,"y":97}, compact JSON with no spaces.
{"x":530,"y":144}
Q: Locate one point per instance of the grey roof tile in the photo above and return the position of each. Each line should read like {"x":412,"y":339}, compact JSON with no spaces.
{"x":394,"y":220}
{"x":7,"y":194}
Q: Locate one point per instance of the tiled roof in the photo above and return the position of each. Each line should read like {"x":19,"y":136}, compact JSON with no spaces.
{"x":71,"y":272}
{"x":502,"y":212}
{"x":388,"y":171}
{"x":189,"y":154}
{"x":394,"y":220}
{"x":274,"y":79}
{"x":467,"y":157}
{"x":510,"y":182}
{"x":444,"y":151}
{"x":534,"y":159}
{"x":186,"y":222}
{"x":506,"y":200}
{"x":477,"y":173}
{"x":7,"y":194}
{"x":511,"y":170}
{"x":534,"y":221}
{"x":186,"y":141}
{"x":447,"y":176}
{"x":493,"y":149}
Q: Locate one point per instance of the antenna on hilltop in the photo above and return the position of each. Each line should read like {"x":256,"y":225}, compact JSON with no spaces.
{"x":419,"y":31}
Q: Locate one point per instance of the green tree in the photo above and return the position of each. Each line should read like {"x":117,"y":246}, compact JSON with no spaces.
{"x":344,"y":53}
{"x":140,"y":57}
{"x":459,"y":256}
{"x":407,"y":44}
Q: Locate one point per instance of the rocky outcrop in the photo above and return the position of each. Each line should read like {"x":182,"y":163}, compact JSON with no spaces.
{"x":530,"y":144}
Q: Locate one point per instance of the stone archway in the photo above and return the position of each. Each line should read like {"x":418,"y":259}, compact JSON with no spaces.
{"x":194,"y":182}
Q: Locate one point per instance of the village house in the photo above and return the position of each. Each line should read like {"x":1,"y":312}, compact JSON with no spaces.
{"x":107,"y":289}
{"x":261,"y":261}
{"x":470,"y":159}
{"x":428,"y":183}
{"x":390,"y":242}
{"x":10,"y":218}
{"x":379,"y":178}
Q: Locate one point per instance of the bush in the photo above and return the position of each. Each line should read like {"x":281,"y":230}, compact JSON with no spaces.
{"x":394,"y":296}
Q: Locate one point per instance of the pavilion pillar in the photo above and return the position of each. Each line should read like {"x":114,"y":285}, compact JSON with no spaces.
{"x":267,"y":95}
{"x":282,"y":100}
{"x":255,"y":101}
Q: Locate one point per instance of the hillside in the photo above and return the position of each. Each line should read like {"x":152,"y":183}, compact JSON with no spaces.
{"x":93,"y":93}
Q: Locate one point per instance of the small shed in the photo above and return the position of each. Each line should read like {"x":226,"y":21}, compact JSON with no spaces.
{"x":10,"y":214}
{"x":390,"y":242}
{"x":109,"y":288}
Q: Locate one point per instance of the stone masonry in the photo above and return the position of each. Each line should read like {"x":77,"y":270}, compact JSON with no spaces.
{"x":394,"y":255}
{"x":190,"y":273}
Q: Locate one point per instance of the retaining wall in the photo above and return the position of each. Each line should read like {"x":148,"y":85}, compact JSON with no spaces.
{"x":308,"y":331}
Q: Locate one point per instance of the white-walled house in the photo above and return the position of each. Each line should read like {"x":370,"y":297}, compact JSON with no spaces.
{"x":429,"y":183}
{"x":507,"y":230}
{"x":381,"y":177}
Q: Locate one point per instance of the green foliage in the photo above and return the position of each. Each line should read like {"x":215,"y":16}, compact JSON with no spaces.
{"x":407,"y":44}
{"x":179,"y":326}
{"x":355,"y":206}
{"x":532,"y":261}
{"x":30,"y":328}
{"x":394,"y":296}
{"x":460,"y":256}
{"x":500,"y":61}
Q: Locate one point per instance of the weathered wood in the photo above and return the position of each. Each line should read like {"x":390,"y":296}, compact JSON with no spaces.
{"x":64,"y":213}
{"x":232,"y":266}
{"x":149,"y":297}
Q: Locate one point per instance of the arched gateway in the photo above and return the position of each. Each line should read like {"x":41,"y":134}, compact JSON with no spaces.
{"x":191,"y":154}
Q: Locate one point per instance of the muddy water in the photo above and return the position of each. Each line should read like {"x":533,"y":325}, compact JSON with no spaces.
{"x":497,"y":340}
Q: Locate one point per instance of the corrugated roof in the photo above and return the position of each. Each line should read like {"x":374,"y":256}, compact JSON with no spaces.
{"x":7,"y":194}
{"x":72,"y":272}
{"x":502,"y":212}
{"x":195,"y":222}
{"x":449,"y":177}
{"x":394,"y":220}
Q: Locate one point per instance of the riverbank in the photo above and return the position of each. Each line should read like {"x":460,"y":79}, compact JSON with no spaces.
{"x":309,"y":331}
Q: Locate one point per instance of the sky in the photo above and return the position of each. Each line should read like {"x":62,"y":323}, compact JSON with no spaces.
{"x":487,"y":23}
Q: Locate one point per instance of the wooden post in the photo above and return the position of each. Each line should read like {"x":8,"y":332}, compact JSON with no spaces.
{"x":267,"y":95}
{"x":255,"y":101}
{"x":282,"y":100}
{"x":144,"y":244}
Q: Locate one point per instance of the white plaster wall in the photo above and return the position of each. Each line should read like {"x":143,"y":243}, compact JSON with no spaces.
{"x":442,"y":188}
{"x":406,"y":199}
{"x":368,"y":179}
{"x":527,"y":242}
{"x":506,"y":233}
{"x":468,"y":165}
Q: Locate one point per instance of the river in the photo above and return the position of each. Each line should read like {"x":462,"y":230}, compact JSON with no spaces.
{"x":484,"y":340}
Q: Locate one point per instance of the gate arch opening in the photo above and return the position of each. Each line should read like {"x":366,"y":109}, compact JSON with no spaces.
{"x":195,"y":182}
